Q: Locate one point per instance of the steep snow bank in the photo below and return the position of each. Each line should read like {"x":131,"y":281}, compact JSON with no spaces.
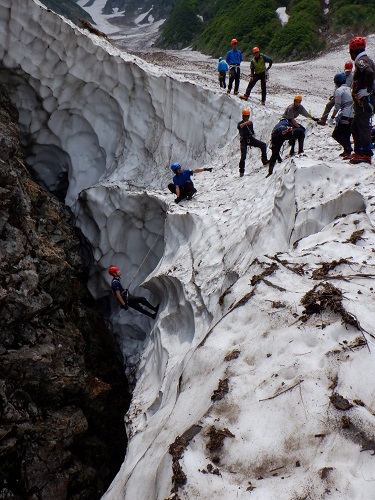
{"x":96,"y":111}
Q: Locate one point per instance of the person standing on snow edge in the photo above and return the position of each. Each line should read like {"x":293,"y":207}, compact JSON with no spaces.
{"x":258,"y":71}
{"x":126,"y":300}
{"x":183,"y":186}
{"x":363,"y":100}
{"x":222,"y":69}
{"x":290,"y":114}
{"x":247,"y":138}
{"x":234,"y":59}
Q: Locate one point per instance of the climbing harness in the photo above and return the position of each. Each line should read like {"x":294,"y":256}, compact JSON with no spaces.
{"x":144,"y":260}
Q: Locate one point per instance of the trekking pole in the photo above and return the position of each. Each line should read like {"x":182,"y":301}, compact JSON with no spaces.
{"x":144,"y":260}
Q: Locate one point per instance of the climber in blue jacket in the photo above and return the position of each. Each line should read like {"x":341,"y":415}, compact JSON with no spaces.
{"x":222,"y":69}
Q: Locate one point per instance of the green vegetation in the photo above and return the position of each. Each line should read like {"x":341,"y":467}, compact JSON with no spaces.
{"x":357,"y":15}
{"x":68,"y":9}
{"x":182,"y":26}
{"x":299,"y":37}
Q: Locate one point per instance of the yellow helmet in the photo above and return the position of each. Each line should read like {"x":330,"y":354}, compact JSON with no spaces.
{"x":246,"y":112}
{"x":298,"y":97}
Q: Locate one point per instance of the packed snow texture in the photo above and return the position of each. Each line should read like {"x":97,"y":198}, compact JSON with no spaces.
{"x":282,"y":15}
{"x":272,"y":397}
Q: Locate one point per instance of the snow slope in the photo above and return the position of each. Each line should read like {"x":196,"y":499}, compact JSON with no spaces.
{"x":261,"y":388}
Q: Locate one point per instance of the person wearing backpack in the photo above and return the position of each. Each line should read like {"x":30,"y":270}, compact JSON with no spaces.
{"x":258,"y":71}
{"x":222,"y":69}
{"x":247,"y":138}
{"x":126,"y":300}
{"x":282,"y":131}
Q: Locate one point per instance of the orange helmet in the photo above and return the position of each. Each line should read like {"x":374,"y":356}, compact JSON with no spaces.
{"x":246,"y":112}
{"x":234,"y":40}
{"x":113,"y":270}
{"x":298,"y":97}
{"x":255,"y":50}
{"x":357,"y":43}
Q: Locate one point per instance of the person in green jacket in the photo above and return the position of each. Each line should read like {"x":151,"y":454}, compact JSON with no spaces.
{"x":258,"y":71}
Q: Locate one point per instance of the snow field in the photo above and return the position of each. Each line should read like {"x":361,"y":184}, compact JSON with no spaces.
{"x":230,"y":270}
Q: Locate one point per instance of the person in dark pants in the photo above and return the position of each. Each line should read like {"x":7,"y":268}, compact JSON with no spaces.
{"x":363,"y":100}
{"x":344,"y":112}
{"x":283,"y":131}
{"x":246,"y":130}
{"x":234,"y":59}
{"x":183,"y":186}
{"x":258,"y":71}
{"x":126,"y":300}
{"x":290,"y":114}
{"x":222,"y":69}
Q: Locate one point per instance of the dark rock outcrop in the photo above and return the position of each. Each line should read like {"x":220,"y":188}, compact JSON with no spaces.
{"x":63,"y":393}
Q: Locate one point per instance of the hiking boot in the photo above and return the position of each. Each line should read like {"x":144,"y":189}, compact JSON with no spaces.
{"x":263,"y":102}
{"x":347,"y":156}
{"x":321,"y":122}
{"x":292,"y":152}
{"x":228,"y":91}
{"x":235,"y":93}
{"x":301,"y":152}
{"x":265,"y":162}
{"x":347,"y":153}
{"x":356,"y":158}
{"x":244,"y":97}
{"x":242,"y":174}
{"x":191,"y":194}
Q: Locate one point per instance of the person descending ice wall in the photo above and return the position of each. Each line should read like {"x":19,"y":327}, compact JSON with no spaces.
{"x":126,"y":299}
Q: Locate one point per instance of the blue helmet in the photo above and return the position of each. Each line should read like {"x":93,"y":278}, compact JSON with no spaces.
{"x":175,"y":166}
{"x":340,"y":78}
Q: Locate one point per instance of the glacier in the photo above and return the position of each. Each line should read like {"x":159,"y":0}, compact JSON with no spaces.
{"x":239,"y":388}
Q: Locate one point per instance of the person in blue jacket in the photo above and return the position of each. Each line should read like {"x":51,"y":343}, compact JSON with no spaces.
{"x":258,"y":71}
{"x":222,"y":69}
{"x":183,"y":186}
{"x":234,"y":59}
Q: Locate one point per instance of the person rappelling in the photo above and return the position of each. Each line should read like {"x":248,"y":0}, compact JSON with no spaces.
{"x":126,"y":299}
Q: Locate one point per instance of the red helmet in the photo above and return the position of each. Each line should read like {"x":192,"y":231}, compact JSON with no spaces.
{"x":234,"y":40}
{"x":348,"y":65}
{"x":113,"y":270}
{"x":357,"y":43}
{"x":255,"y":50}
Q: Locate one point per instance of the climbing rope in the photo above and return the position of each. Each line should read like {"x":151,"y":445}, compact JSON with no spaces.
{"x":144,"y":260}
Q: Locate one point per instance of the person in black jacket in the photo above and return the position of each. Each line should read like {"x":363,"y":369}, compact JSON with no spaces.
{"x":283,"y":131}
{"x":363,"y":100}
{"x":125,"y":299}
{"x":247,"y":138}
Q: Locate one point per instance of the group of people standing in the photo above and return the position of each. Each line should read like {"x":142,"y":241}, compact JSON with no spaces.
{"x":353,"y":103}
{"x":258,"y":71}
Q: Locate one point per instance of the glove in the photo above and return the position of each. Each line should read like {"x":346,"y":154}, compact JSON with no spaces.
{"x":177,"y":200}
{"x":362,"y":93}
{"x":124,"y":306}
{"x":208,"y":169}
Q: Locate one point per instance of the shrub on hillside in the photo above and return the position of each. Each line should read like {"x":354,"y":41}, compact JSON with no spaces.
{"x":183,"y":25}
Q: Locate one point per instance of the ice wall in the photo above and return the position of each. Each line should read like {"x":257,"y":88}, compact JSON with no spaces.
{"x":89,"y":111}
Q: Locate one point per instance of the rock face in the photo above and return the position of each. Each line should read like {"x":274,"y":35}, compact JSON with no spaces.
{"x":63,"y":393}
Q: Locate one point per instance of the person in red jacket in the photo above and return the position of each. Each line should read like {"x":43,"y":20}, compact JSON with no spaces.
{"x":363,"y":100}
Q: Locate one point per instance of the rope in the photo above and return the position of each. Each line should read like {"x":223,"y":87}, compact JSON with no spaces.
{"x":144,"y":260}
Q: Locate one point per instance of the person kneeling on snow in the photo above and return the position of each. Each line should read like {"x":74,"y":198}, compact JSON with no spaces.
{"x":183,"y":186}
{"x":247,"y":138}
{"x":126,"y":300}
{"x":290,"y":114}
{"x":283,"y":131}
